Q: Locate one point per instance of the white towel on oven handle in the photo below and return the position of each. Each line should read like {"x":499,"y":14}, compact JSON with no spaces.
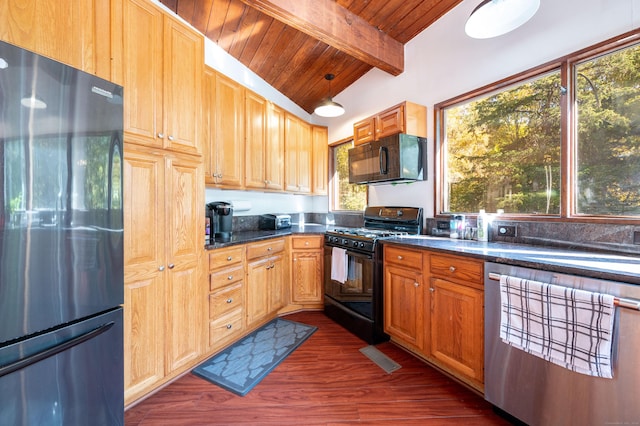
{"x":569,"y":327}
{"x":339,"y":265}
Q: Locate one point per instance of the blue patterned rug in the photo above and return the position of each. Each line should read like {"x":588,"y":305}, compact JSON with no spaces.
{"x":244,"y":364}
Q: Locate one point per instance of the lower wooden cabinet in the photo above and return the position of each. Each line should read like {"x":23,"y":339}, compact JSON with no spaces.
{"x":434,"y":306}
{"x":265,"y":280}
{"x":307,"y":268}
{"x":226,"y":295}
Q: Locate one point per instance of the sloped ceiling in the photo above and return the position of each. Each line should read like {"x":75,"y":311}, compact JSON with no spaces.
{"x":293,"y":44}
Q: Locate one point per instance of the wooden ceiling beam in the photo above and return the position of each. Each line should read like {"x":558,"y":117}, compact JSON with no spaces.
{"x":334,"y":25}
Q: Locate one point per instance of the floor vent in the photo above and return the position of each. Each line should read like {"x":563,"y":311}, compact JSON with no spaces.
{"x":383,"y":361}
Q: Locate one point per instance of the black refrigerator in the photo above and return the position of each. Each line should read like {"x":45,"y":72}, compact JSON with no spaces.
{"x":61,"y":244}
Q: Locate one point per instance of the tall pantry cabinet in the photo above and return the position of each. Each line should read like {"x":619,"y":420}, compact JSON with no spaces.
{"x":163,"y":195}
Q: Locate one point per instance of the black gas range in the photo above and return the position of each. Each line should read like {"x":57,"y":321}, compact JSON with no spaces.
{"x":353,"y":283}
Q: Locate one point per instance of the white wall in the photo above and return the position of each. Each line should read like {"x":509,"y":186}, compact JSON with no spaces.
{"x":442,"y":62}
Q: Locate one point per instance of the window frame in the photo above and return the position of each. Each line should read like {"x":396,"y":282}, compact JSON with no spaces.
{"x":568,"y":121}
{"x":333,"y":182}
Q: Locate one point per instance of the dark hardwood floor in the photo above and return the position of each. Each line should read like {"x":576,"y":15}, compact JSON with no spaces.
{"x":326,"y":381}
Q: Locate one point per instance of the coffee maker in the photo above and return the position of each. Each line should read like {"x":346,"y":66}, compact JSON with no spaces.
{"x":220,"y":217}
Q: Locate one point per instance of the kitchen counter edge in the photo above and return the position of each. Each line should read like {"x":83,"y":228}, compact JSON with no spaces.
{"x":244,"y":237}
{"x":606,"y":266}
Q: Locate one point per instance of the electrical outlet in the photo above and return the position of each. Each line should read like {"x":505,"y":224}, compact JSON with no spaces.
{"x":506,"y":231}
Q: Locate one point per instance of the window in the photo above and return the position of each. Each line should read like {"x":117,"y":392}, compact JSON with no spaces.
{"x":562,"y":140}
{"x":344,"y":195}
{"x":608,"y":133}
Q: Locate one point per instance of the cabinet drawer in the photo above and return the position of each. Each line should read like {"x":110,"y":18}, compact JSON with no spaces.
{"x":454,"y":267}
{"x":225,"y":277}
{"x":225,"y":301}
{"x":220,"y":258}
{"x":403,"y":257}
{"x":225,"y":328}
{"x":266,"y":248}
{"x":308,"y":242}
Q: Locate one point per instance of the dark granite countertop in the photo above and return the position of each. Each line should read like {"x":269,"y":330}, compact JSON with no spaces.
{"x":253,"y":236}
{"x":593,"y":264}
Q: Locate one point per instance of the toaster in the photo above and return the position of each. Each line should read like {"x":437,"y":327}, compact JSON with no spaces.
{"x":274,"y":221}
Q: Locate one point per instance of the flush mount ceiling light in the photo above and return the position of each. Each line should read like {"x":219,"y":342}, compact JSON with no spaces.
{"x":493,"y":18}
{"x":329,"y":108}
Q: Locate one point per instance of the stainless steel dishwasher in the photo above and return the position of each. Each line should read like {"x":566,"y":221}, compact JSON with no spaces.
{"x":538,"y":392}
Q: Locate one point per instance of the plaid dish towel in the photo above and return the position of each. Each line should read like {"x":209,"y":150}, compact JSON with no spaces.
{"x":570,"y":327}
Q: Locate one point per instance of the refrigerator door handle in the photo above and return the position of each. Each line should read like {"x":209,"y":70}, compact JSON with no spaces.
{"x":32,"y":359}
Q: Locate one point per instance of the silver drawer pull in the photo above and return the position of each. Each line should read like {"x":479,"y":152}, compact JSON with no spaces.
{"x":269,"y":249}
{"x":229,"y":258}
{"x":230,"y":277}
{"x":229,"y":300}
{"x":229,"y":326}
{"x":452,"y":268}
{"x":416,"y":284}
{"x":400,"y":257}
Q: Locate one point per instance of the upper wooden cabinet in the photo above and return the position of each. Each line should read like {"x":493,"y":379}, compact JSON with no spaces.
{"x":406,"y":117}
{"x":224,"y":130}
{"x":162,"y":76}
{"x":75,"y":32}
{"x":298,"y":160}
{"x":264,"y":144}
{"x":320,"y":141}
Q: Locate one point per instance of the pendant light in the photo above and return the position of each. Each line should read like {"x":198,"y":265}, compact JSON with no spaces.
{"x":329,"y":108}
{"x":493,"y":18}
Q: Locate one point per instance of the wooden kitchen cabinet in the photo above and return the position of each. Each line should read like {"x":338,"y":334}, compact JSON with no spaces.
{"x":226,"y":295}
{"x":265,"y":280}
{"x":75,"y":32}
{"x":298,"y":155}
{"x":162,"y":74}
{"x":404,"y":297}
{"x":264,"y":144}
{"x":224,"y":102}
{"x":307,"y":268}
{"x":163,"y":303}
{"x":320,"y":140}
{"x":457,"y":316}
{"x":406,"y":117}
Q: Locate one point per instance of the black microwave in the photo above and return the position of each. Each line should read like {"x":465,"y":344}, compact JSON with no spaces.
{"x":395,"y":158}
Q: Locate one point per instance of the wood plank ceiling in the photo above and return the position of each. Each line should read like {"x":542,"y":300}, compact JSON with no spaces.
{"x":292,"y":44}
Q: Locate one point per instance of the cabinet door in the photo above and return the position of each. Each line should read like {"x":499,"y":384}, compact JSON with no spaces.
{"x":227,"y":147}
{"x":186,"y":297}
{"x":457,"y":327}
{"x":305,"y":157}
{"x":257,"y":300}
{"x":277,"y":283}
{"x":274,"y":151}
{"x":255,"y":140}
{"x":364,"y":131}
{"x":320,"y":160}
{"x":404,"y":305}
{"x":306,"y":276}
{"x":390,"y":122}
{"x":142,"y":74}
{"x":69,"y":31}
{"x":183,"y":61}
{"x":144,"y":289}
{"x":291,"y":140}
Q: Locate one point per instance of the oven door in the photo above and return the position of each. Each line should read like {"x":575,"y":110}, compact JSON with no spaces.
{"x":356,"y":293}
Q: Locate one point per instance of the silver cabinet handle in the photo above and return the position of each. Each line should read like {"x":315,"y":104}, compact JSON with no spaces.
{"x":431,"y":289}
{"x":229,"y":300}
{"x":229,"y":326}
{"x":416,"y":284}
{"x":161,"y":268}
{"x":230,"y":277}
{"x":171,"y":266}
{"x":170,"y":138}
{"x":229,"y":258}
{"x":269,"y":249}
{"x":452,"y":268}
{"x":161,"y":135}
{"x":400,"y":257}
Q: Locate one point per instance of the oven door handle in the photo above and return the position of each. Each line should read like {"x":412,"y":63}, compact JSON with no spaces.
{"x":360,"y":255}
